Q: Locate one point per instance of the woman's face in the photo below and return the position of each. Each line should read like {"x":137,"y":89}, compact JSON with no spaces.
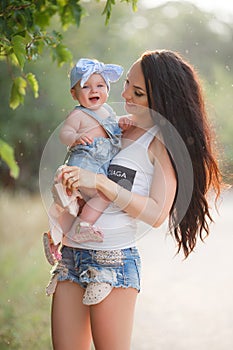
{"x":134,"y":93}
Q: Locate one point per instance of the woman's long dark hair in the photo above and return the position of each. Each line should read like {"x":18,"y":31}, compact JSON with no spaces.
{"x":175,"y":95}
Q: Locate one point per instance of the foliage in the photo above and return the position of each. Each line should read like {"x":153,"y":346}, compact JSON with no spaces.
{"x":24,"y":36}
{"x":177,"y":26}
{"x":6,"y":153}
{"x":108,"y":8}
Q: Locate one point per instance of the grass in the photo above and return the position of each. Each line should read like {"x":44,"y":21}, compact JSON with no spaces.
{"x":24,"y":273}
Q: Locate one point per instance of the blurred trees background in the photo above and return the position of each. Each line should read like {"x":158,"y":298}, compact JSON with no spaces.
{"x":199,"y":36}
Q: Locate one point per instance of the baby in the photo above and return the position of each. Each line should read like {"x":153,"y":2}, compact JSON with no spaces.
{"x":93,"y":137}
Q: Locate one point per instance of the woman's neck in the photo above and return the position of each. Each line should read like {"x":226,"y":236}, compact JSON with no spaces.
{"x":135,"y":132}
{"x":143,"y":121}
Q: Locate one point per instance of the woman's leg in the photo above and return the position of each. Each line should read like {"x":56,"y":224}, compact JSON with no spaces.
{"x":70,"y":318}
{"x":112,"y":320}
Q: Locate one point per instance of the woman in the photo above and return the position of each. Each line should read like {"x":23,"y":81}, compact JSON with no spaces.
{"x":165,"y":167}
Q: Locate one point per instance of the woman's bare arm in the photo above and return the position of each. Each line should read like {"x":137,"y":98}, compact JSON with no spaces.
{"x":153,"y":209}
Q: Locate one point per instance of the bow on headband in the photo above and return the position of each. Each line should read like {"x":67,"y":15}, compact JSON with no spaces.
{"x":86,"y":67}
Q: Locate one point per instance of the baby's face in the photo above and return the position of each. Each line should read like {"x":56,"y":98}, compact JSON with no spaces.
{"x":93,"y":93}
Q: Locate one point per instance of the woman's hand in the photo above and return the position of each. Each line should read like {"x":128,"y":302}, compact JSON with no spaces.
{"x":74,"y":177}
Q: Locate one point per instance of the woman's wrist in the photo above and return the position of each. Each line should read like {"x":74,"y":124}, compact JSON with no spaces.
{"x":115,"y":193}
{"x":107,"y":187}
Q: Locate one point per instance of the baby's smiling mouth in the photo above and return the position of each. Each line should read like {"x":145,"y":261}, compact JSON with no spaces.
{"x":94,"y":99}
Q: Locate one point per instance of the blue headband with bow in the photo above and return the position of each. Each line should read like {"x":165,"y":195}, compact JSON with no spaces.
{"x":85,"y":67}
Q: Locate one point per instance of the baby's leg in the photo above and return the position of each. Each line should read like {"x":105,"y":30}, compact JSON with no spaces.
{"x":83,"y":228}
{"x":93,"y":209}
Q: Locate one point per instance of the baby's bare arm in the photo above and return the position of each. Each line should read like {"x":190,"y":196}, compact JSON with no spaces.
{"x":69,"y":131}
{"x":80,"y":128}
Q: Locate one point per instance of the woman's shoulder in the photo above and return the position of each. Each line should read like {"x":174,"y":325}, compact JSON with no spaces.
{"x":157,"y":147}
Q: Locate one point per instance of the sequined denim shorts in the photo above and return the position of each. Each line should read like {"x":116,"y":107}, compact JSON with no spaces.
{"x":120,"y":268}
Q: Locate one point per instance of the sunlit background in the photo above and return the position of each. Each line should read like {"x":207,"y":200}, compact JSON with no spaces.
{"x":222,"y":9}
{"x":183,"y":304}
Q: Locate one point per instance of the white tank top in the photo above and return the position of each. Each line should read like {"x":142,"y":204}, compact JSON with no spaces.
{"x":132,"y":169}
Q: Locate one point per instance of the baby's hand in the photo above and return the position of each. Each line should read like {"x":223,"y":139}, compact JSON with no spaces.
{"x":125,"y":123}
{"x":83,"y":140}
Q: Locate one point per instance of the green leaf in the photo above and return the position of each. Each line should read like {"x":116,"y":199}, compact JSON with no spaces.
{"x":42,"y":19}
{"x":33,"y":83}
{"x":78,"y":13}
{"x":134,"y":5}
{"x":13,"y":59}
{"x":66,"y":16}
{"x":21,"y":85}
{"x":15,"y":98}
{"x":19,"y":48}
{"x":18,"y":91}
{"x":62,"y":54}
{"x":7,"y":155}
{"x":108,"y":10}
{"x":71,"y":12}
{"x":61,"y":2}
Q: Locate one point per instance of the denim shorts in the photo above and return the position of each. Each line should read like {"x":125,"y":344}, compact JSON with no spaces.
{"x":94,"y":157}
{"x":119,"y":268}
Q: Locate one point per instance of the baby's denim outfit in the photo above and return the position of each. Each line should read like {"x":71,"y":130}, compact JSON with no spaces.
{"x":96,"y":156}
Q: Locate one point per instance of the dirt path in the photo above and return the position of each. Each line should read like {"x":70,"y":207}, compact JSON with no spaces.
{"x":187,"y":304}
